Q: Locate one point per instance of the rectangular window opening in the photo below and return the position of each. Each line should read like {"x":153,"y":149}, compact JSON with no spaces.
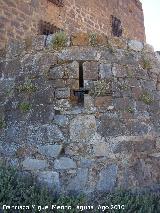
{"x":116,"y":27}
{"x":59,"y":3}
{"x":46,"y":28}
{"x":81,"y":91}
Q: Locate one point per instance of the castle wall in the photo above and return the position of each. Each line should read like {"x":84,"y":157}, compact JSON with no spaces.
{"x":110,"y":140}
{"x":20,"y":18}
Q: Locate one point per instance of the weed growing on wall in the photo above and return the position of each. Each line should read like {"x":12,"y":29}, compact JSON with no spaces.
{"x":146,"y":98}
{"x":59,"y":40}
{"x":2,"y":123}
{"x":18,"y":190}
{"x":24,"y":107}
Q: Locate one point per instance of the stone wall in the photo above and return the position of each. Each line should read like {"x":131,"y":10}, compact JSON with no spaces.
{"x":109,"y":140}
{"x":20,"y":18}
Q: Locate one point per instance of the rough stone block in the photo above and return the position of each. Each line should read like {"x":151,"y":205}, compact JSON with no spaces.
{"x":62,"y":93}
{"x":135,"y":45}
{"x":66,"y":71}
{"x":101,"y":150}
{"x":119,"y":71}
{"x":42,"y":134}
{"x":50,"y":150}
{"x":73,"y":70}
{"x":25,"y":151}
{"x":80,"y":39}
{"x":38,"y":42}
{"x":118,"y":43}
{"x":110,"y":125}
{"x":158,"y":86}
{"x":97,"y":40}
{"x":12,"y":68}
{"x":61,"y":120}
{"x":107,"y":178}
{"x":79,"y":54}
{"x":14,"y":49}
{"x":82,"y":128}
{"x":64,"y":163}
{"x":88,"y":102}
{"x":34,"y":164}
{"x":78,"y":183}
{"x":105,"y":71}
{"x":90,"y":70}
{"x":49,"y":179}
{"x":155,"y":155}
{"x":62,"y":105}
{"x":73,"y":84}
{"x":56,"y":72}
{"x":103,"y":101}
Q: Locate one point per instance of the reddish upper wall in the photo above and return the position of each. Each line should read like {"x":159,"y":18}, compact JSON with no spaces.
{"x":20,"y":18}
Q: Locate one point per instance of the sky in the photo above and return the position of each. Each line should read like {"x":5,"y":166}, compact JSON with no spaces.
{"x":151,"y":19}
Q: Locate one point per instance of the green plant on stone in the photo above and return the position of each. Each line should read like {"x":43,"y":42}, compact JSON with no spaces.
{"x":100,"y":88}
{"x":130,"y":110}
{"x":146,"y":98}
{"x":146,"y":64}
{"x":2,"y":123}
{"x":93,"y":39}
{"x":124,"y":87}
{"x":27,"y":87}
{"x":24,"y":107}
{"x":129,"y":74}
{"x":59,"y":40}
{"x":111,"y":49}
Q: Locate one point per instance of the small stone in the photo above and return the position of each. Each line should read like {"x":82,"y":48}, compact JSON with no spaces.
{"x":103,"y":101}
{"x":105,"y":71}
{"x":62,"y":105}
{"x":61,"y":120}
{"x":90,"y":70}
{"x":80,"y":39}
{"x":38,"y":42}
{"x":49,"y":178}
{"x":78,"y":182}
{"x":82,"y":128}
{"x":155,"y":155}
{"x":86,"y":163}
{"x":79,"y":54}
{"x":62,"y":93}
{"x":50,"y":150}
{"x":158,"y":143}
{"x":88,"y":102}
{"x":117,"y":43}
{"x":15,"y":49}
{"x":158,"y":86}
{"x":101,"y":150}
{"x":135,"y":45}
{"x":64,"y":163}
{"x":56,"y":72}
{"x":34,"y":164}
{"x":107,"y":178}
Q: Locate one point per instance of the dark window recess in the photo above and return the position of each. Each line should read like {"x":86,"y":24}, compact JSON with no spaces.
{"x":59,"y":3}
{"x":116,"y":27}
{"x":47,"y":28}
{"x":80,"y":93}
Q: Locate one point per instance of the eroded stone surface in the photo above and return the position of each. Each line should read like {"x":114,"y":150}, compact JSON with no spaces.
{"x":64,"y":163}
{"x":34,"y":164}
{"x":82,"y":128}
{"x":107,"y":178}
{"x":109,"y":138}
{"x":49,"y":179}
{"x":50,"y":150}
